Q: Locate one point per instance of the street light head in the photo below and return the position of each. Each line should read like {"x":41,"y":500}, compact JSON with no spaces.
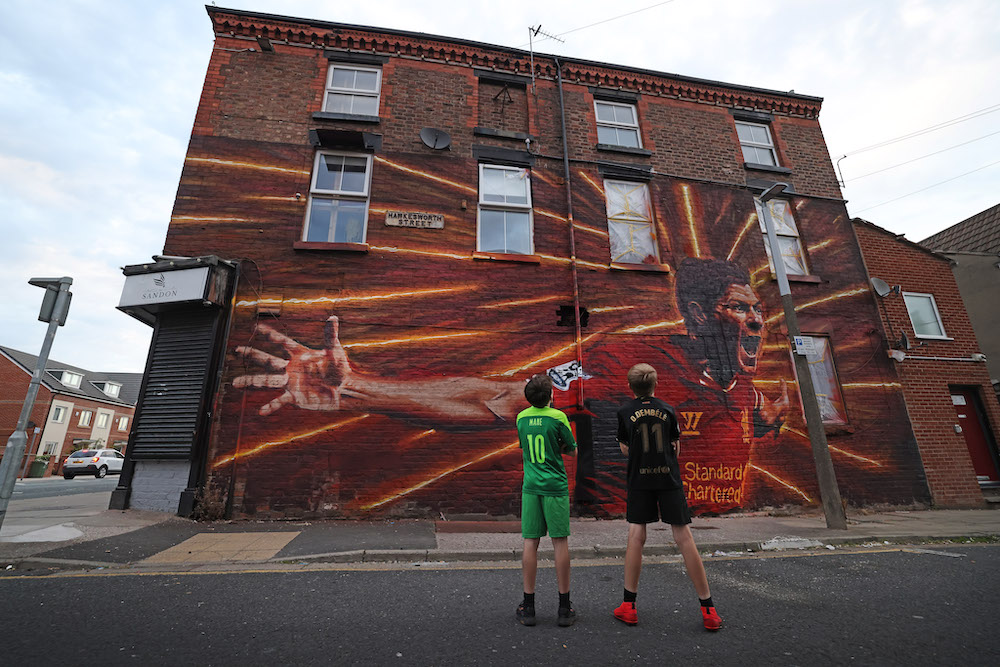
{"x":54,"y":282}
{"x":775,"y":190}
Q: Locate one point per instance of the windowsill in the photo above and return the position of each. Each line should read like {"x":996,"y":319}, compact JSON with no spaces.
{"x":321,"y":245}
{"x":766,"y":167}
{"x":612,"y":148}
{"x":352,"y":117}
{"x":507,"y":257}
{"x":931,"y":338}
{"x":503,"y":134}
{"x":647,"y":268}
{"x":796,"y":278}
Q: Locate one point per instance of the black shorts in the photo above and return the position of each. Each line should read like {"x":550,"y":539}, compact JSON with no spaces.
{"x":648,"y":506}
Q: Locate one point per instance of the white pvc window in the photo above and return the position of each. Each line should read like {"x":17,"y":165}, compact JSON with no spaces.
{"x":58,"y":414}
{"x":338,"y":199}
{"x":122,"y":423}
{"x":85,"y":417}
{"x":755,"y":140}
{"x":617,"y":124}
{"x":102,"y":420}
{"x":630,"y":223}
{"x":789,"y":243}
{"x":71,"y":379}
{"x":924,"y":315}
{"x":112,"y":389}
{"x":504,"y":210}
{"x":352,"y":90}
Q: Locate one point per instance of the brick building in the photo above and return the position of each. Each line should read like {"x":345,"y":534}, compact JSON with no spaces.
{"x":940,"y":364}
{"x":74,"y":407}
{"x":398,"y":229}
{"x":973,"y":246}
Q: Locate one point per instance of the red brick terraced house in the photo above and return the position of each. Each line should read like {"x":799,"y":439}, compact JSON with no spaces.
{"x":75,"y":408}
{"x":380,"y":235}
{"x":941,"y":366}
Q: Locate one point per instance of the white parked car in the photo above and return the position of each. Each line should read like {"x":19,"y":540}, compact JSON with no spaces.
{"x":96,"y":462}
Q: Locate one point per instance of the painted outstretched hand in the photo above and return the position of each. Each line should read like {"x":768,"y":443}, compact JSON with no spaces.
{"x":311,"y":379}
{"x":773,"y":413}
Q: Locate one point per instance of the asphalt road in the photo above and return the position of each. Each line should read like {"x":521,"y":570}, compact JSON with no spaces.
{"x":832,"y":608}
{"x":57,"y":486}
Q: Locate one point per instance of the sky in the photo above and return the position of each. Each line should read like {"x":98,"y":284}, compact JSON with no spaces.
{"x":97,"y":100}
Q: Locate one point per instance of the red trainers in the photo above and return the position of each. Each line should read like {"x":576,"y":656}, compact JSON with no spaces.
{"x":627,"y":614}
{"x":710,"y":618}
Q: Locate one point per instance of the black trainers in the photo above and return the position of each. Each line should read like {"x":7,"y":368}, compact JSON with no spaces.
{"x":526,"y":614}
{"x":567,"y":616}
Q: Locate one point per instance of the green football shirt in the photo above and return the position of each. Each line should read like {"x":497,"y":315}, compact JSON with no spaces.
{"x":543,"y":432}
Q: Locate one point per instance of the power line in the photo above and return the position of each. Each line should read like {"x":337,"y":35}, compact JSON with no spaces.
{"x":933,"y":185}
{"x":613,"y":18}
{"x":879,"y":171}
{"x":932,"y":128}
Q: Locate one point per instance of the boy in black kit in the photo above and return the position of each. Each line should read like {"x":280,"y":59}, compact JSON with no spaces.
{"x":648,"y":434}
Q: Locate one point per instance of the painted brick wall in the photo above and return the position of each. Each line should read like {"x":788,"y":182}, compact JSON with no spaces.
{"x":407,"y":406}
{"x":926,"y":383}
{"x":157,"y":485}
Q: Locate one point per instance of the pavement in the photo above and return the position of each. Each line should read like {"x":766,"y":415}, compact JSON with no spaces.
{"x":77,"y":533}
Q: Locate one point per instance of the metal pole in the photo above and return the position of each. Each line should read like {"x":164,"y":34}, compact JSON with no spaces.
{"x":829,"y":492}
{"x":18,"y":440}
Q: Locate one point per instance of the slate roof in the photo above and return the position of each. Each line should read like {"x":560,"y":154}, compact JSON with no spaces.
{"x":980,"y":233}
{"x":130,"y":382}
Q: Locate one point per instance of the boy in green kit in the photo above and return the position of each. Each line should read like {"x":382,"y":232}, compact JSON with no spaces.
{"x":545,"y":436}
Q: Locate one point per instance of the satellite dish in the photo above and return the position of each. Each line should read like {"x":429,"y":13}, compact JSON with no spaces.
{"x":881,"y":287}
{"x":435,"y":138}
{"x":904,"y":342}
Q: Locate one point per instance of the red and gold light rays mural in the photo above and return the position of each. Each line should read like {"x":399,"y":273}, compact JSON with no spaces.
{"x":396,"y":391}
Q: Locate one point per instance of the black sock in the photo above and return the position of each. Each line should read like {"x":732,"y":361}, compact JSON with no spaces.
{"x":630,"y":596}
{"x":707,"y":602}
{"x":529,"y":599}
{"x":564,"y":600}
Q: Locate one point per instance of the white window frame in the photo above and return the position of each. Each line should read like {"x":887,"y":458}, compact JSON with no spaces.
{"x":636,"y":221}
{"x":59,"y":413}
{"x":616,"y":125}
{"x":769,"y":146}
{"x":797,"y":236}
{"x":71,"y":379}
{"x":102,"y":420}
{"x":85,"y":417}
{"x":112,"y":389}
{"x":353,"y":92}
{"x":123,"y":423}
{"x":937,"y":314}
{"x":513,"y":207}
{"x":344,"y":195}
{"x":51,"y":448}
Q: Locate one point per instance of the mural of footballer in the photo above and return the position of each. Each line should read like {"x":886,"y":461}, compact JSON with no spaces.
{"x":706,"y":374}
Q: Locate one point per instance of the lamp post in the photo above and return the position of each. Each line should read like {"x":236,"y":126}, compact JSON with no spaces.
{"x":55,"y":307}
{"x":829,"y":492}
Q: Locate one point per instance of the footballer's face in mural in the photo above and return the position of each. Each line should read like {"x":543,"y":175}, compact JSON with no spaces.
{"x":741,"y":317}
{"x":731,"y":332}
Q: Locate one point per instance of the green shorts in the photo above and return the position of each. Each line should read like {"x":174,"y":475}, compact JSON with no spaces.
{"x":541,"y":514}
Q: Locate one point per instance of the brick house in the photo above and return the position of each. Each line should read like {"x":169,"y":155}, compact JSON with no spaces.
{"x":940,"y":364}
{"x":378,"y":236}
{"x":74,"y":407}
{"x":973,"y":246}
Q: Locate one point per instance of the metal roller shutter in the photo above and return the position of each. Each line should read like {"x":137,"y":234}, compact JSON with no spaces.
{"x":166,"y":423}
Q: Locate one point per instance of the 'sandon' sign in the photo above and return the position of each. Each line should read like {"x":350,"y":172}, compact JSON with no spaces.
{"x":414,"y":219}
